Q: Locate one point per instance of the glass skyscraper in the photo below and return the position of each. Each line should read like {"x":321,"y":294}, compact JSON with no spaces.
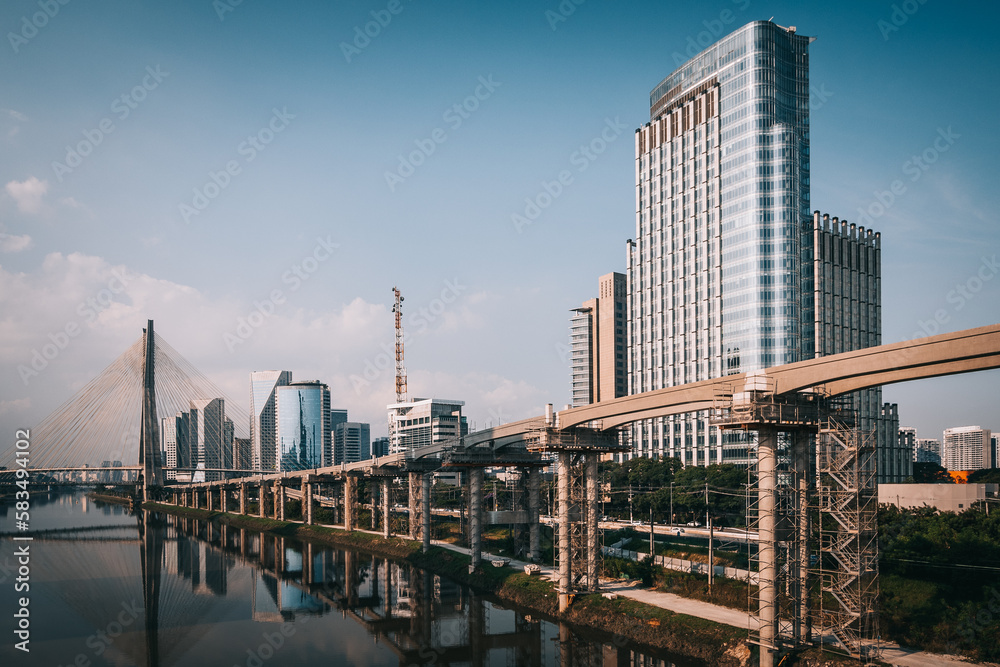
{"x":262,"y":416}
{"x":730,"y":271}
{"x":303,"y":425}
{"x":722,"y":190}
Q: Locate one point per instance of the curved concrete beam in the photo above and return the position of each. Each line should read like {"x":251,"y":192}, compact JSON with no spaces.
{"x":945,"y":354}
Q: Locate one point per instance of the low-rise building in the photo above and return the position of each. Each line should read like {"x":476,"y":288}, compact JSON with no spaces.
{"x":944,"y":497}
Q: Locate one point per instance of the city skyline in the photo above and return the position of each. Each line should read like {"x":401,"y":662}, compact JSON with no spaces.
{"x":326,"y":216}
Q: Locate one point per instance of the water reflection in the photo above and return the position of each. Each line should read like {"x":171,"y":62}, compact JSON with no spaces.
{"x":161,"y":590}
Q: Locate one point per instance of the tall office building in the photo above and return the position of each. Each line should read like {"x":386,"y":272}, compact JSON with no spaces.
{"x":337,"y":417}
{"x":303,"y":425}
{"x":715,"y":275}
{"x":351,"y":442}
{"x":968,"y":448}
{"x":380,"y":446}
{"x":168,"y":445}
{"x":262,"y":416}
{"x":209,"y":438}
{"x":597,"y":344}
{"x":729,"y":271}
{"x":927,"y":450}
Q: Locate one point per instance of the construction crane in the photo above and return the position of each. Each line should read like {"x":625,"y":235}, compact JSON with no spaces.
{"x":397,"y":308}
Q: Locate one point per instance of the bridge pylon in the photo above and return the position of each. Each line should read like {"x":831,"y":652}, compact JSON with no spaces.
{"x":149,"y":437}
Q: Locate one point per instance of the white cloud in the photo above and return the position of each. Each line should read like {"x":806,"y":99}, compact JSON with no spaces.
{"x":11,"y":243}
{"x":10,"y":119}
{"x":28,"y":194}
{"x":15,"y":406}
{"x":107,"y":306}
{"x":16,"y":115}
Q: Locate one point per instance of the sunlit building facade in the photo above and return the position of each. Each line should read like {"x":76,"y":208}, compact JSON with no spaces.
{"x":597,"y":344}
{"x":730,"y":271}
{"x":968,"y":448}
{"x":715,"y":271}
{"x":262,"y":416}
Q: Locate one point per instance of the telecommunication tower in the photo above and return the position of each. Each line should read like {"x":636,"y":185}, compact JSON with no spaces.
{"x":397,"y":308}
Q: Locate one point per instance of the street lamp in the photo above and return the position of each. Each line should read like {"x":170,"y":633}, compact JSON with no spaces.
{"x":671,"y":504}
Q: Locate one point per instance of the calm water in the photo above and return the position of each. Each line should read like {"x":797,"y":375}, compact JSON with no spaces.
{"x":110,"y":588}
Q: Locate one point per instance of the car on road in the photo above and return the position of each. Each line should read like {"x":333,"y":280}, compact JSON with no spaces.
{"x":692,"y":524}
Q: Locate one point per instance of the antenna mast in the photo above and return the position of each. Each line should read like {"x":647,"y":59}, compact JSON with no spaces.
{"x":397,"y":308}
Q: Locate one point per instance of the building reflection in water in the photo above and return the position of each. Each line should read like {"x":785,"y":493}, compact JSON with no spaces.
{"x":186,"y":569}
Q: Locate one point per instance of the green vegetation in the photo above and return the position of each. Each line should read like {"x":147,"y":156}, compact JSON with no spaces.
{"x":940,"y":589}
{"x":641,"y":483}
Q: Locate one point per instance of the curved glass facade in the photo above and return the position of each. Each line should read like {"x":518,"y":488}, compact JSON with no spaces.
{"x":303,"y":425}
{"x":722,"y":191}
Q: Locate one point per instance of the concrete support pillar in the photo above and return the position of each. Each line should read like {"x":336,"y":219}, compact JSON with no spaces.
{"x":307,"y":502}
{"x":801,"y":457}
{"x":562,"y":521}
{"x":593,"y":533}
{"x":261,"y":500}
{"x":425,"y":512}
{"x":243,"y":498}
{"x":475,"y":517}
{"x":209,"y":500}
{"x":767,"y":605}
{"x":534,"y":511}
{"x":279,"y":501}
{"x":386,"y":507}
{"x":349,"y":492}
{"x":415,"y":505}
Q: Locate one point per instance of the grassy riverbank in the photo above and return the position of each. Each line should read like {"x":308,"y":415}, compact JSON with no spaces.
{"x":620,"y":620}
{"x":108,"y":498}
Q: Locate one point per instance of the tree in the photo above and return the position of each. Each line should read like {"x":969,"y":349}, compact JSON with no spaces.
{"x":930,"y":473}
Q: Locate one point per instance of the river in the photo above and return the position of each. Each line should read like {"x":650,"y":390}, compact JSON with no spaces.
{"x":112,"y":588}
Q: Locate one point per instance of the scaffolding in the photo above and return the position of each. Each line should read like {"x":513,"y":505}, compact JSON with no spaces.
{"x":847,"y":501}
{"x":777,"y":506}
{"x":810,"y":462}
{"x":578,"y":535}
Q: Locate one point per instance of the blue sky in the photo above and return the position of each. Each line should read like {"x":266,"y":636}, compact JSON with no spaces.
{"x":278,"y":139}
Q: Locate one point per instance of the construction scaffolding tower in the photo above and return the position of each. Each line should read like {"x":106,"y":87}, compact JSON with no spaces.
{"x":578,"y":535}
{"x":847,"y":501}
{"x":796,"y":475}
